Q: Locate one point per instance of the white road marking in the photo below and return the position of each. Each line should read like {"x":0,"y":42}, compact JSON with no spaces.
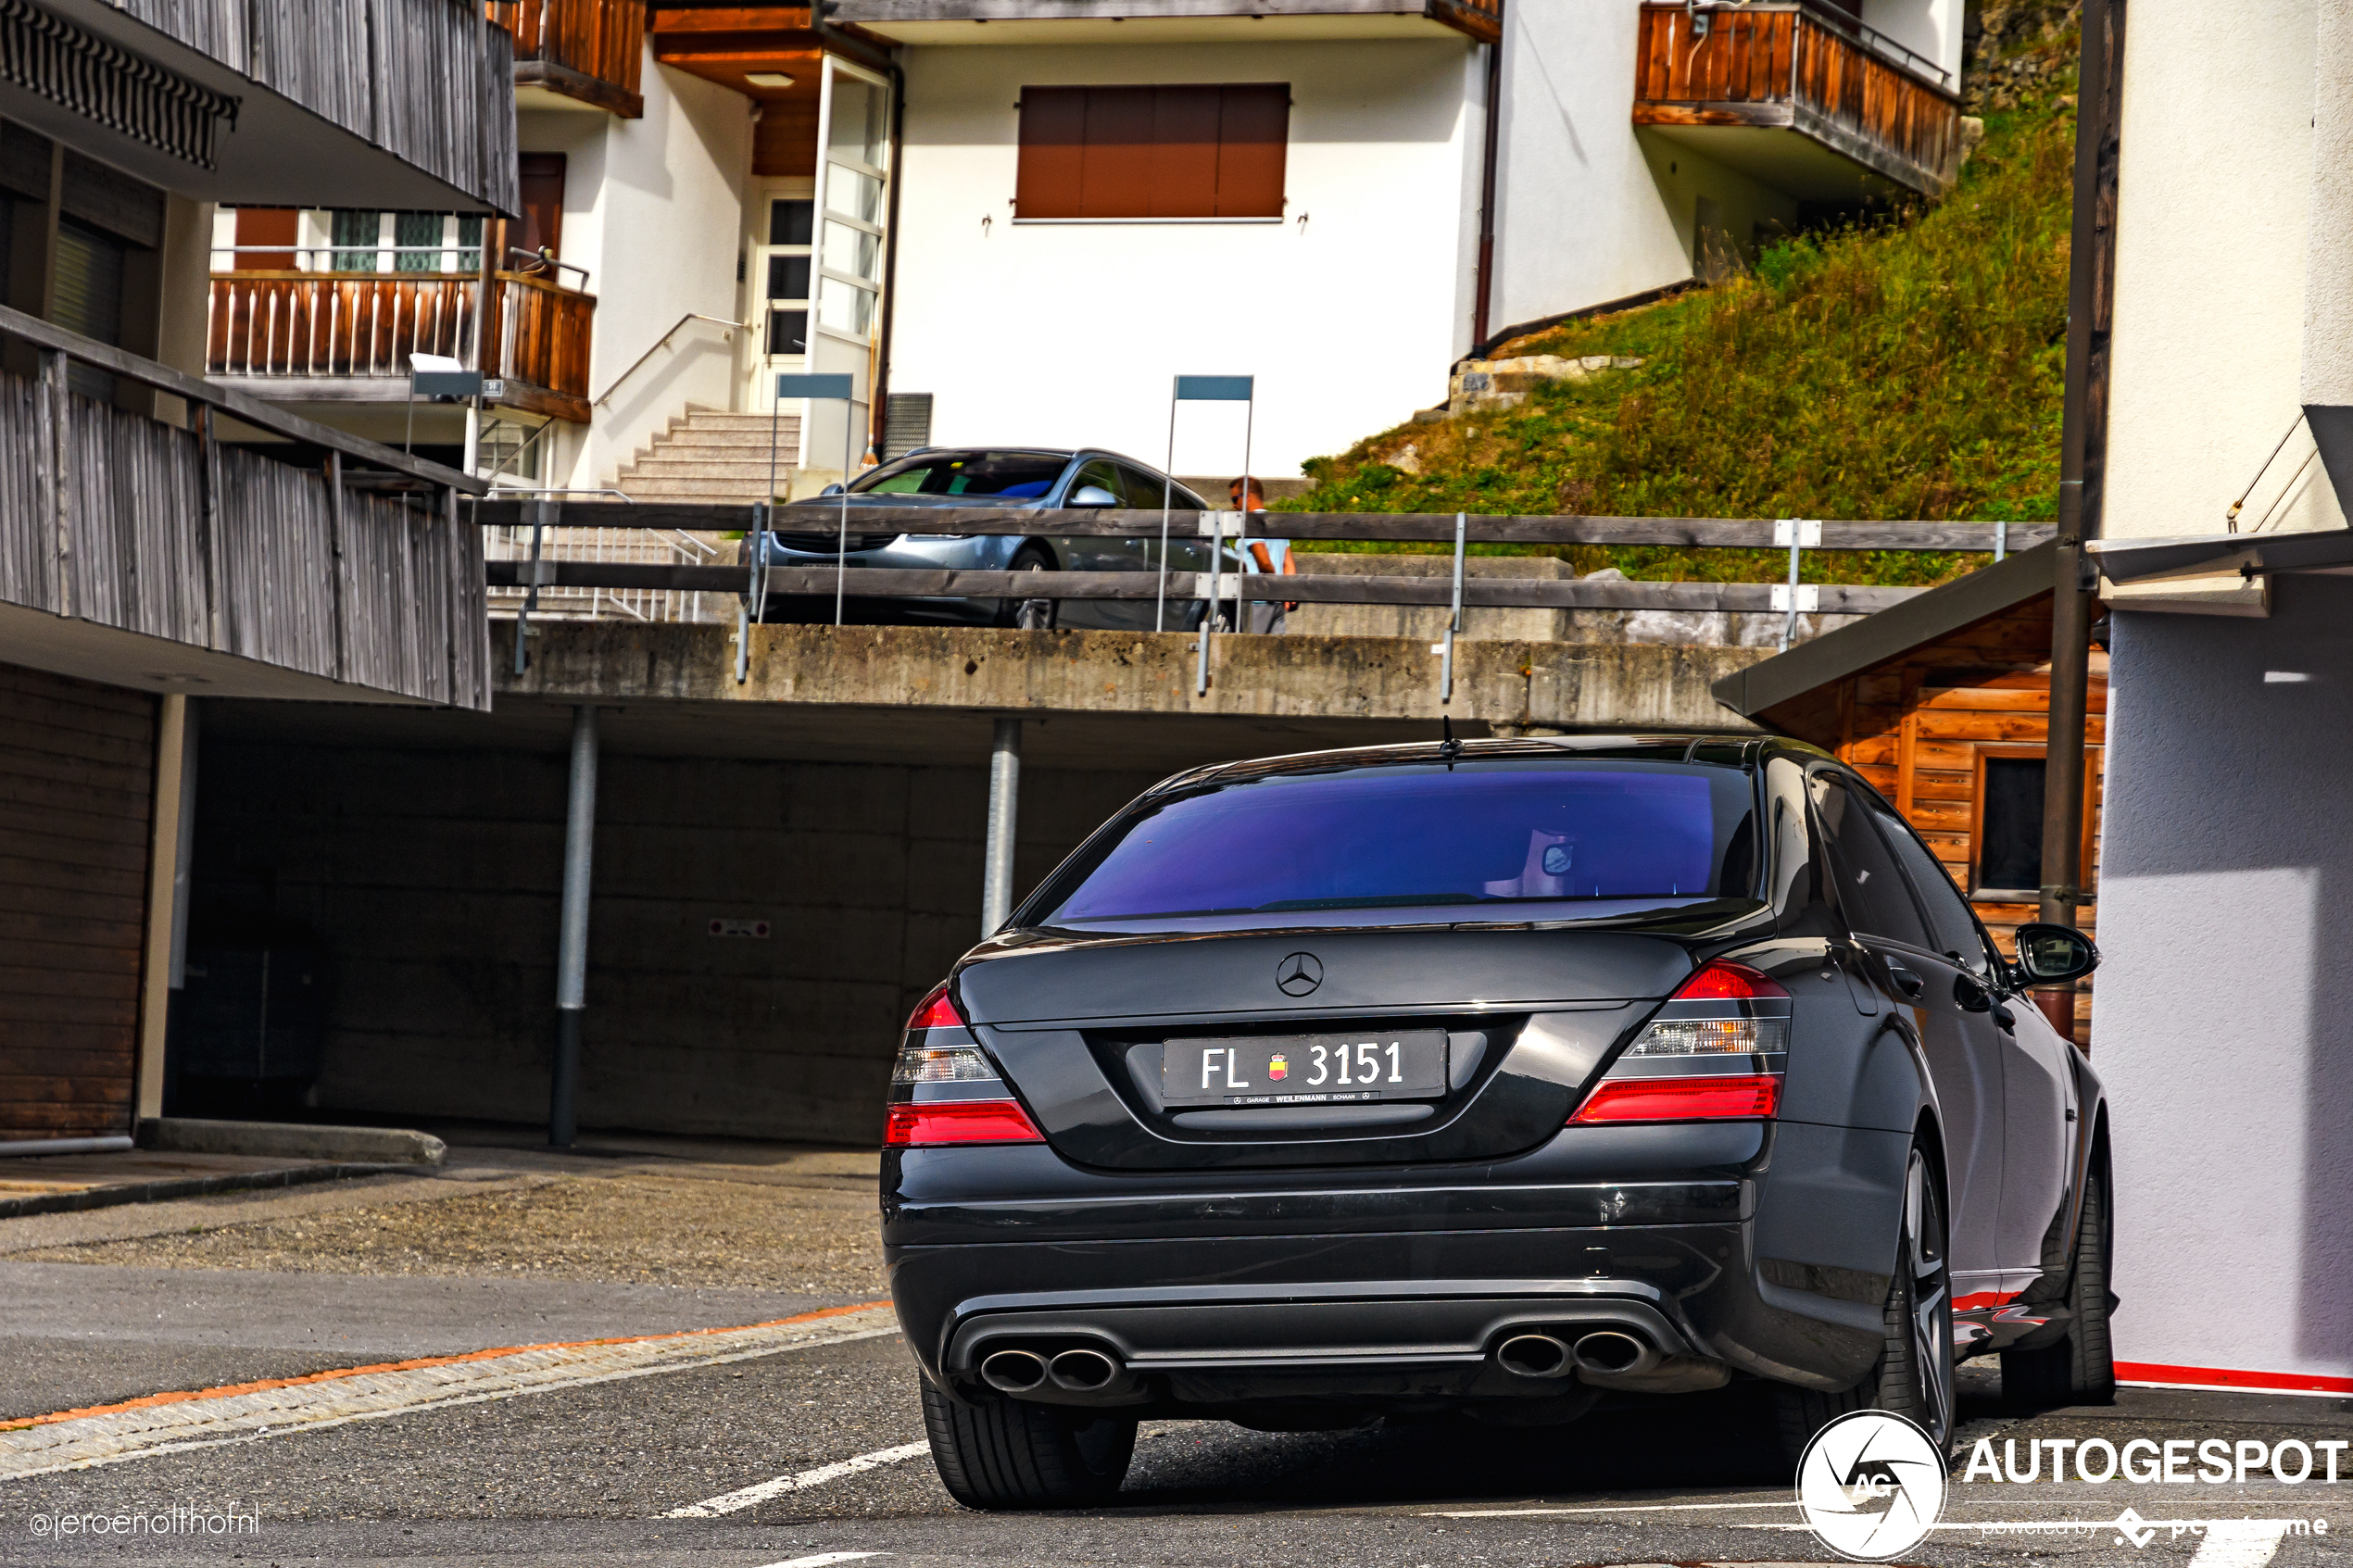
{"x":822,"y":1558}
{"x":2240,"y":1543}
{"x":140,"y":1431}
{"x":1632,"y":1508}
{"x":735,"y":1502}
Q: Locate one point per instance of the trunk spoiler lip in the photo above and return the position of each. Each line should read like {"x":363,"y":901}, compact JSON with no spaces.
{"x":1252,"y":1017}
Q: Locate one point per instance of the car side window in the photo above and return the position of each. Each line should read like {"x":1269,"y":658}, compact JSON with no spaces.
{"x":1146,"y":490}
{"x":1949,"y":920}
{"x":1871,"y":889}
{"x":1105,"y":475}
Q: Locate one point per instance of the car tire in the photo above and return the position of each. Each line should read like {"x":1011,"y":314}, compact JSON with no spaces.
{"x":1030,"y":615}
{"x":995,"y":1452}
{"x":2080,"y":1368}
{"x":1913,"y":1376}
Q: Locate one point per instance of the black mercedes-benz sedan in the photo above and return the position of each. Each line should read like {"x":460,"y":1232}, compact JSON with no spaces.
{"x":1496,"y":1080}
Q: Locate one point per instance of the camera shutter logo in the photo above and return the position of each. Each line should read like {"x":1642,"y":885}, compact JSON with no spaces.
{"x":1871,"y":1486}
{"x":1298,"y":975}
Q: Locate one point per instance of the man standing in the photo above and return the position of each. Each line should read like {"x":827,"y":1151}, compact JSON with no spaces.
{"x":1269,"y":556}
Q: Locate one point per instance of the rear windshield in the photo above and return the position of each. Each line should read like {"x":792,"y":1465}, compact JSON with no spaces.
{"x":1485,"y":838}
{"x":1020,"y":475}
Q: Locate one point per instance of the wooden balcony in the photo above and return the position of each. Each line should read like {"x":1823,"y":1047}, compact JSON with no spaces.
{"x":590,"y":50}
{"x":1805,"y":99}
{"x":347,"y":337}
{"x":951,"y":21}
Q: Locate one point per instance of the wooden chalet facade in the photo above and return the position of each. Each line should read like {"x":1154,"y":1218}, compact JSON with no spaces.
{"x":1944,"y":704}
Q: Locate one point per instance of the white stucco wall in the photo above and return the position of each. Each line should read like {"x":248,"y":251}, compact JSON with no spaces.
{"x":653,"y":209}
{"x":1349,"y":311}
{"x":1591,"y":210}
{"x":2214,"y":195}
{"x":2225,"y":1029}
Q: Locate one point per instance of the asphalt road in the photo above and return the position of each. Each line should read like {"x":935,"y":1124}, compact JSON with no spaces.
{"x":585,"y":1472}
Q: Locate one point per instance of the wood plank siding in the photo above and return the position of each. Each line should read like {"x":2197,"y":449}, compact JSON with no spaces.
{"x":585,"y":49}
{"x":1921,"y":726}
{"x":393,"y":73}
{"x":1801,"y":68}
{"x":76,"y":791}
{"x":116,"y":520}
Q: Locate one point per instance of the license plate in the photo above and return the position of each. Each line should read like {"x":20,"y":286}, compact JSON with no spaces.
{"x":1304,"y":1069}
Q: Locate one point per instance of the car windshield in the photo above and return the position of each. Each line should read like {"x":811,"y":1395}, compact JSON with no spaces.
{"x":1484,"y":835}
{"x":1016,"y":475}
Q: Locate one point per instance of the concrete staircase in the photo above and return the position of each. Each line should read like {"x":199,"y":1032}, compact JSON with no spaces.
{"x":708,"y":456}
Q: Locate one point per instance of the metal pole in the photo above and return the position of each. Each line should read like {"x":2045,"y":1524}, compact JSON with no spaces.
{"x":841,"y":555}
{"x":531,"y":591}
{"x":2082,"y":455}
{"x":571,"y":945}
{"x":1209,"y":616}
{"x":1004,"y":794}
{"x":1454,"y":622}
{"x":1789,"y":622}
{"x":1167,"y":498}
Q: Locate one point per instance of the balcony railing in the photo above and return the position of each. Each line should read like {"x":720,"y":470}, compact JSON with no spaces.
{"x":585,"y":49}
{"x":1483,"y":19}
{"x":364,"y":327}
{"x":1813,"y":71}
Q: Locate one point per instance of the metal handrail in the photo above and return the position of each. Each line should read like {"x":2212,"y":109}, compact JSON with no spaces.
{"x":614,"y":385}
{"x":1856,"y":31}
{"x":243,"y":408}
{"x":537,"y":257}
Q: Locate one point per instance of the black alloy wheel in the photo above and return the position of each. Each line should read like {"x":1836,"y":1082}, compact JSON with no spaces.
{"x":1913,"y":1376}
{"x":996,"y":1452}
{"x":2079,"y":1369}
{"x":1031,"y":615}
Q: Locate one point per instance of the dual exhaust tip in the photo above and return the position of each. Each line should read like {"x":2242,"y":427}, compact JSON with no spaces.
{"x":1080,"y":1369}
{"x":1604,"y":1352}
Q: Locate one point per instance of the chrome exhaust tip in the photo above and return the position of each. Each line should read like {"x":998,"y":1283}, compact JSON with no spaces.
{"x":1606,"y":1351}
{"x":1082,"y":1371}
{"x":1534,"y":1355}
{"x":1013,"y":1372}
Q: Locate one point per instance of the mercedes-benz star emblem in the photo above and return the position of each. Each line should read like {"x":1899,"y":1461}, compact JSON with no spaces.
{"x":1299,"y":973}
{"x":1871,"y":1486}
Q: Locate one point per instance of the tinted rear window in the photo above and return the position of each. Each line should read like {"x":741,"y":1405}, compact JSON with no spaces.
{"x":1489,"y":836}
{"x":1023,"y":475}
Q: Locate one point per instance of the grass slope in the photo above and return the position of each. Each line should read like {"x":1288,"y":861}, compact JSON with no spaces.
{"x":1910,"y":368}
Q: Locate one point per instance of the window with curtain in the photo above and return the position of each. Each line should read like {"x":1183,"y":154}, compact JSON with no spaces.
{"x":420,"y":231}
{"x":1214,"y":151}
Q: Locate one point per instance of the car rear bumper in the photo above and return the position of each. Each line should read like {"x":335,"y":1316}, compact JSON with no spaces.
{"x":1338,"y":1288}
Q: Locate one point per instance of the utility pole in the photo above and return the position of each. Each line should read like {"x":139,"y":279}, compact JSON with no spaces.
{"x":2091,"y":316}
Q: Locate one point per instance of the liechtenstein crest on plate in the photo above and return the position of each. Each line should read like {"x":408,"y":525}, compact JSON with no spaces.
{"x":1279,"y":1068}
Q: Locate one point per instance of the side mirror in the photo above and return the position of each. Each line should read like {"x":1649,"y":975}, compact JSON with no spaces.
{"x":2049,"y":954}
{"x":830,"y":490}
{"x":1091,"y":496}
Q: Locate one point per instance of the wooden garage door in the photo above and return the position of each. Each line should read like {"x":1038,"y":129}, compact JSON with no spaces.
{"x":76,"y":776}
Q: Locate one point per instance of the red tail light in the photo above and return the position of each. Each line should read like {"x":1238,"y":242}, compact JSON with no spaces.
{"x":1726,"y":982}
{"x":936,"y":1012}
{"x":1747,"y":1095}
{"x":960,"y":1122}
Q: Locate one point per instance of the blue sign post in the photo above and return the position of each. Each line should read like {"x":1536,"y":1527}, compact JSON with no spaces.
{"x":1203,"y":389}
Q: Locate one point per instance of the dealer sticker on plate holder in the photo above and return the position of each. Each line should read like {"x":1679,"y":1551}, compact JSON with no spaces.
{"x":1304,"y":1069}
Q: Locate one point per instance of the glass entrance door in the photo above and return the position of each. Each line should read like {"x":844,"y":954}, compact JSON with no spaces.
{"x":852,"y":214}
{"x":782,"y":281}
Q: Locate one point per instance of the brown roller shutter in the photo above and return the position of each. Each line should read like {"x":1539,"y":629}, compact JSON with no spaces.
{"x":1253,"y":134}
{"x":1185,"y":152}
{"x":1119,"y":154}
{"x":1179,"y":151}
{"x":1054,"y":152}
{"x":76,"y":789}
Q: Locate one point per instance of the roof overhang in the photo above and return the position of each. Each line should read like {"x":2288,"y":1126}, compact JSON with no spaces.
{"x":278,"y":152}
{"x":2210,"y":555}
{"x":1875,"y":639}
{"x":934,"y":23}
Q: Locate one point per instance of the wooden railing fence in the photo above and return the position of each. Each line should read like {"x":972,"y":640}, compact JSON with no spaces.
{"x":1792,"y":56}
{"x":589,"y":48}
{"x":543,"y":334}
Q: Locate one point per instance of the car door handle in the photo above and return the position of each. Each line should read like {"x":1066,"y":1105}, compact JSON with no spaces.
{"x":1906,"y":981}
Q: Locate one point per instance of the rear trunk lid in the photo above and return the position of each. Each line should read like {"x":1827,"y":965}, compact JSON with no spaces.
{"x":1081,"y":1027}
